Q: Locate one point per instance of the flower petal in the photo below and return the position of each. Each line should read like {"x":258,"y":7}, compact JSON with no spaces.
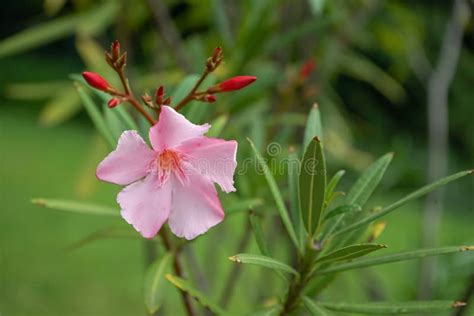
{"x":195,"y":207}
{"x":145,"y":205}
{"x":214,"y":158}
{"x":128,"y":162}
{"x":172,"y":129}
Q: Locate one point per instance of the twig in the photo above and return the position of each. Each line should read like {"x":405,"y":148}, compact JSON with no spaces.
{"x":169,"y":32}
{"x":437,"y":94}
{"x":191,"y":93}
{"x":131,"y":98}
{"x":178,"y":269}
{"x":468,"y":294}
{"x":235,"y":271}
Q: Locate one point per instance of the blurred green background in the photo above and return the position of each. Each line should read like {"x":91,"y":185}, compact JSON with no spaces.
{"x":373,"y":61}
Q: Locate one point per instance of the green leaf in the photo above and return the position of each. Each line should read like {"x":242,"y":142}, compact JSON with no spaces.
{"x":110,"y":232}
{"x":362,"y":68}
{"x":314,"y":126}
{"x":350,"y":252}
{"x":242,"y":205}
{"x":263,"y":261}
{"x":368,"y":181}
{"x":401,"y":256}
{"x":185,"y":286}
{"x":313,"y":308}
{"x":293,"y":177}
{"x":90,"y":22}
{"x":343,"y":209}
{"x":258,"y":233}
{"x":276,"y":196}
{"x":217,"y":126}
{"x":95,"y":115}
{"x":332,"y":184}
{"x":414,"y":195}
{"x":64,"y":105}
{"x":184,"y":87}
{"x":155,"y":282}
{"x":76,"y":207}
{"x":410,"y":307}
{"x":222,"y":21}
{"x":312,"y":186}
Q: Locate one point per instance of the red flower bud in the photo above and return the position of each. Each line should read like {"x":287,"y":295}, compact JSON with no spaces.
{"x":113,"y":102}
{"x":96,"y":81}
{"x":306,"y":69}
{"x":210,"y":98}
{"x":167,"y":101}
{"x":116,"y":49}
{"x":160,"y":92}
{"x":236,"y":83}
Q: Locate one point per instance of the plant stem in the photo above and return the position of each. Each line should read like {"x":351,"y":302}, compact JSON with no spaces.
{"x":129,"y":96}
{"x":298,"y":284}
{"x":191,"y":93}
{"x":178,"y":269}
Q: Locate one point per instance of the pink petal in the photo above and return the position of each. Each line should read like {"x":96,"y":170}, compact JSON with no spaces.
{"x":128,"y":162}
{"x":145,"y":205}
{"x":196,"y":207}
{"x":214,"y":158}
{"x":172,"y":129}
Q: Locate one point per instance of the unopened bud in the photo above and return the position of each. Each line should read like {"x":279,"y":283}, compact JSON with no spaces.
{"x":209,"y":98}
{"x":160,"y":92}
{"x":96,"y":81}
{"x":167,"y":101}
{"x":115,"y":49}
{"x":235,"y":83}
{"x":306,"y":69}
{"x":113,"y":102}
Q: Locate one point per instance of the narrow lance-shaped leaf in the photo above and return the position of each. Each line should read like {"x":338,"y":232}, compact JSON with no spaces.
{"x":107,"y":233}
{"x":76,"y":207}
{"x":187,"y":287}
{"x":95,"y":115}
{"x":276,"y":196}
{"x":242,"y":205}
{"x":368,"y":181}
{"x":155,"y":282}
{"x":293,"y":177}
{"x":332,"y":184}
{"x":312,"y":185}
{"x":397,"y":308}
{"x":314,"y":126}
{"x":343,"y":209}
{"x":217,"y":126}
{"x":92,"y":21}
{"x":414,"y":195}
{"x":401,"y":256}
{"x":258,"y":233}
{"x":350,"y":252}
{"x":313,"y":308}
{"x":263,"y":261}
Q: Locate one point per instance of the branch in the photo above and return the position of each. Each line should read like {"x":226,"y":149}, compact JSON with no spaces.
{"x":169,"y":32}
{"x":437,"y":94}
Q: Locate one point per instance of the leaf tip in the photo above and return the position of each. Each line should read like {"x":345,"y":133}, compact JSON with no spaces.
{"x":39,"y":202}
{"x":291,"y":149}
{"x":471,"y":171}
{"x":317,"y":138}
{"x":315,"y":105}
{"x":466,"y":248}
{"x":235,"y":259}
{"x":458,"y":304}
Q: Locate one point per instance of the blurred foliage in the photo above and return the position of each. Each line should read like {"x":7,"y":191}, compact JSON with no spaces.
{"x":364,"y":82}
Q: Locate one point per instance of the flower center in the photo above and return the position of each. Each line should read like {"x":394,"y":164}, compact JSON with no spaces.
{"x":169,"y":161}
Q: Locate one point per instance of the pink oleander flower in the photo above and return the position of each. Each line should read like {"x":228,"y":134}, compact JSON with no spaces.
{"x":173,"y":181}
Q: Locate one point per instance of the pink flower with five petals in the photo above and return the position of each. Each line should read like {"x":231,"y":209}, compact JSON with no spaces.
{"x":173,"y":181}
